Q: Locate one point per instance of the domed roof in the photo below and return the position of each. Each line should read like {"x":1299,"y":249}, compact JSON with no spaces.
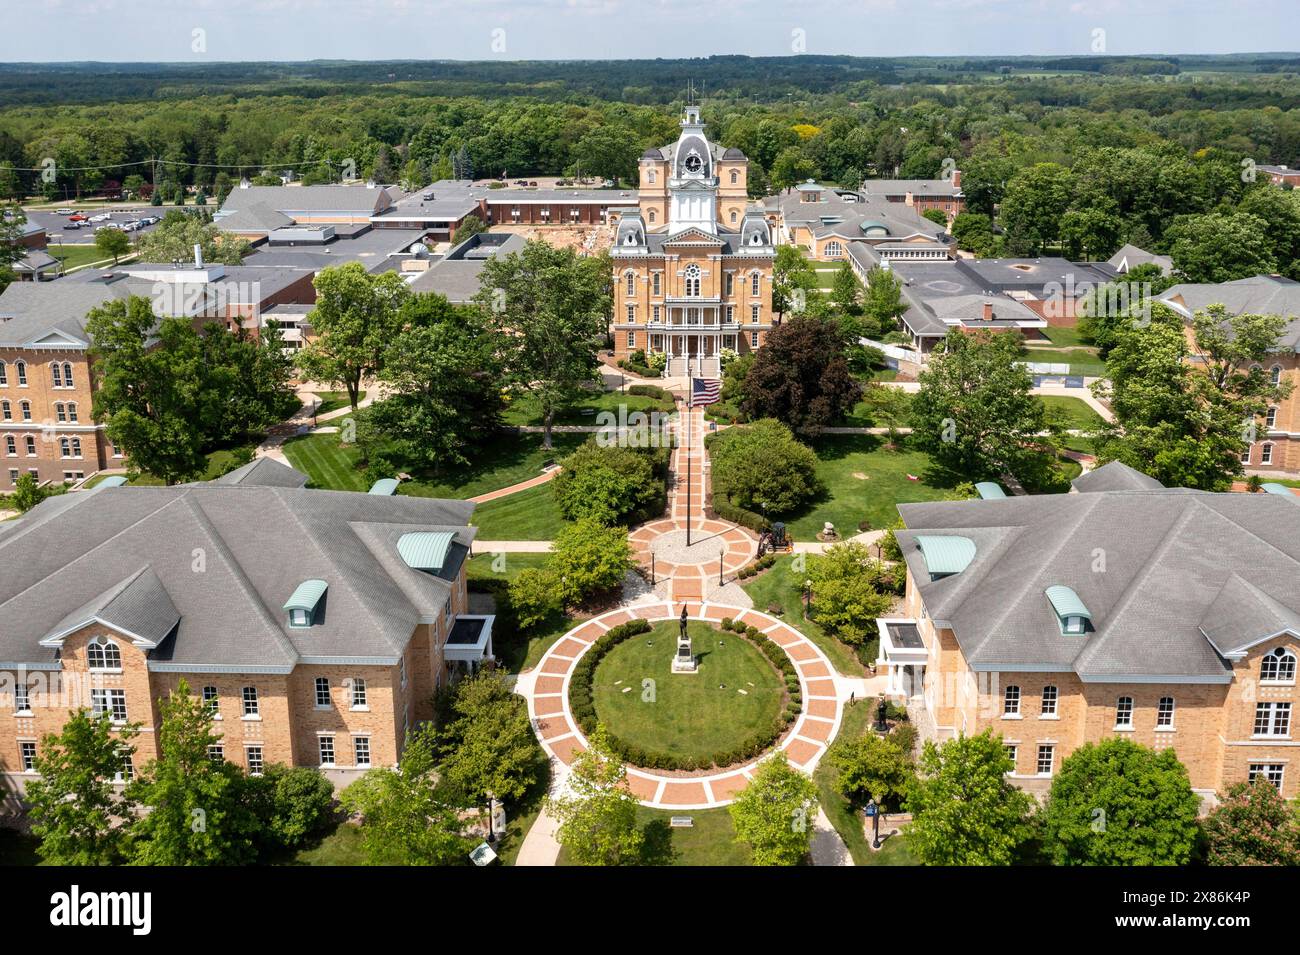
{"x":731,"y":152}
{"x":652,"y":153}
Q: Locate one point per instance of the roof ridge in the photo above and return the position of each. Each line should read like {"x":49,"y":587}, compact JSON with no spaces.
{"x":1024,"y":592}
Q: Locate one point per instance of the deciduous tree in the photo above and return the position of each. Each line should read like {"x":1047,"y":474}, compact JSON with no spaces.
{"x":598,"y":823}
{"x":801,"y":376}
{"x":774,"y":813}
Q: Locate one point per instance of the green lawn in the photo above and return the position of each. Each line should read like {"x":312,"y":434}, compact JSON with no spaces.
{"x":334,"y":400}
{"x":782,"y":587}
{"x":1074,"y":413}
{"x":849,"y":499}
{"x":74,"y":256}
{"x":342,"y":846}
{"x":735,"y":693}
{"x":487,"y":566}
{"x":1082,"y":361}
{"x":863,"y":413}
{"x":530,"y":515}
{"x":846,"y":820}
{"x":509,"y":459}
{"x":524,"y":410}
{"x":1064,"y":337}
{"x":711,"y":841}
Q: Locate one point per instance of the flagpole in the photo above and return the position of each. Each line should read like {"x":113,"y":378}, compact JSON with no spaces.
{"x":690,"y":403}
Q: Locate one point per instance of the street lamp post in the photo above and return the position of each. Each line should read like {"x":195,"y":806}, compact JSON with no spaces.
{"x":873,"y":813}
{"x":807,"y":598}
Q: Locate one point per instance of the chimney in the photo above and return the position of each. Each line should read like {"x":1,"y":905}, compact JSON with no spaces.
{"x":198,"y":256}
{"x":988,"y":311}
{"x":956,"y":178}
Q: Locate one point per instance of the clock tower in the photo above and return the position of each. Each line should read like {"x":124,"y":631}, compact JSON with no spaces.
{"x":692,"y":182}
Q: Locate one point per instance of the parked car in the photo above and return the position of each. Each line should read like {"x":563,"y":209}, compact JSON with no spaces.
{"x":72,"y":226}
{"x":102,"y":217}
{"x":77,"y":217}
{"x":64,"y":212}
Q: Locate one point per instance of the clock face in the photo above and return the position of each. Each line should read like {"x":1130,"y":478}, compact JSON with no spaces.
{"x":693,"y":162}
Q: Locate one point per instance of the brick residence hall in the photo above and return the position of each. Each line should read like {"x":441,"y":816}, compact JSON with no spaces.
{"x":317,"y":624}
{"x":1162,"y":615}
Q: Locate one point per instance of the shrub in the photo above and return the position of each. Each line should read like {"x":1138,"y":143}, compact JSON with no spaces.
{"x":725,"y":510}
{"x":535,"y":596}
{"x":610,"y":484}
{"x":762,"y":465}
{"x":651,"y":391}
{"x":589,"y":559}
{"x":291,"y":803}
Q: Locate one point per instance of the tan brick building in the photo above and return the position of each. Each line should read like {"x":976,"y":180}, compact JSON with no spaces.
{"x":1168,"y":617}
{"x":1277,"y":435}
{"x":318,"y":624}
{"x":46,"y":379}
{"x":693,"y":263}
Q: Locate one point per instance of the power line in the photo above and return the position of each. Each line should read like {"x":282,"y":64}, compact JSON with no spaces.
{"x":178,"y":162}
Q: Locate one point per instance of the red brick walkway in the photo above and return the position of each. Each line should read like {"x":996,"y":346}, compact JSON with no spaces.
{"x":804,"y":743}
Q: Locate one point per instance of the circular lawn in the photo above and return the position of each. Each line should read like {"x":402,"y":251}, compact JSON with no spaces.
{"x":734,"y":693}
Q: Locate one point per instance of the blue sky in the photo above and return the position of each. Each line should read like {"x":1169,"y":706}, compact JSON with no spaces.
{"x":152,"y":30}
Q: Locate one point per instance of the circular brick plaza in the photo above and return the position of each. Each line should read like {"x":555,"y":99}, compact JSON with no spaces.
{"x":804,"y":743}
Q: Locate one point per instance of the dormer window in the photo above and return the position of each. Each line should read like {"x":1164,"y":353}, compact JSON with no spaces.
{"x":304,"y":604}
{"x":945,"y":555}
{"x":1071,"y":615}
{"x":103,"y":654}
{"x":1277,"y":666}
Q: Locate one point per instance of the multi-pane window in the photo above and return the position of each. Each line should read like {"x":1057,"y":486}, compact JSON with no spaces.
{"x":358,"y":692}
{"x":1270,"y":418}
{"x":21,"y":368}
{"x":755,"y":313}
{"x":730,"y":283}
{"x":631,"y":283}
{"x":401,"y":672}
{"x":1272,"y":719}
{"x":754,"y":284}
{"x":1277,"y":666}
{"x":27,"y":750}
{"x":11,"y":445}
{"x":250,"y":701}
{"x":30,"y":442}
{"x":1275,"y":375}
{"x":1270,"y":771}
{"x":361,"y":750}
{"x":753,"y":339}
{"x":255,"y":764}
{"x":326,"y":744}
{"x":1011,"y":750}
{"x":322,"y":691}
{"x":216,"y":753}
{"x":1011,"y":701}
{"x":631,"y":314}
{"x":26,"y":408}
{"x":22,"y":698}
{"x":655,"y":280}
{"x":1049,"y":700}
{"x":57,"y":373}
{"x":210,"y":700}
{"x":127,"y":770}
{"x":1124,"y":713}
{"x":112,"y":702}
{"x":103,"y":654}
{"x":631,"y":339}
{"x":72,"y":412}
{"x":1266,"y":453}
{"x":1165,"y":712}
{"x":692,"y":281}
{"x":6,"y":411}
{"x":1046,"y":757}
{"x":4,"y":373}
{"x":67,"y":374}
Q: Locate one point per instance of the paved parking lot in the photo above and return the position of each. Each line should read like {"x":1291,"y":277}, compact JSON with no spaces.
{"x":56,"y":229}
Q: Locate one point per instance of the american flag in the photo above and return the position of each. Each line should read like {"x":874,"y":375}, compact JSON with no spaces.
{"x":705,"y":391}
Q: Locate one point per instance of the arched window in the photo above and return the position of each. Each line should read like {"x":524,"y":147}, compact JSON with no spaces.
{"x":692,"y":280}
{"x":834,"y":249}
{"x":735,"y":178}
{"x":31,"y":446}
{"x":631,"y":283}
{"x":65,"y":448}
{"x":650,"y":177}
{"x":20,"y":367}
{"x":11,"y":446}
{"x":753,"y":284}
{"x":1278,"y":666}
{"x":1165,"y":713}
{"x":26,"y":408}
{"x":4,"y":373}
{"x":1266,"y":453}
{"x":6,"y":412}
{"x":56,"y":372}
{"x":733,"y":216}
{"x":103,"y":654}
{"x":1124,"y":713}
{"x":650,"y":216}
{"x":1011,"y":701}
{"x":1270,"y":418}
{"x":1275,"y":374}
{"x":1050,"y":696}
{"x":67,"y":374}
{"x":59,"y":413}
{"x":72,"y":411}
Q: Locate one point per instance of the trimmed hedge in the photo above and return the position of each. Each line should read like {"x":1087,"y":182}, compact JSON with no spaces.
{"x":651,"y":391}
{"x":583,"y":706}
{"x":738,"y":515}
{"x":645,"y":371}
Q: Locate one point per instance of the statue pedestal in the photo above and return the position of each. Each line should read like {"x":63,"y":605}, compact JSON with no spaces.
{"x":685,"y":665}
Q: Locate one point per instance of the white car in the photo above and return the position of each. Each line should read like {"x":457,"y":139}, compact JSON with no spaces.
{"x":102,"y":217}
{"x":64,"y":212}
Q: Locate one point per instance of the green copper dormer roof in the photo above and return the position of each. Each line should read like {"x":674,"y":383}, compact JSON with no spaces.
{"x":425,"y":550}
{"x":306,"y":596}
{"x":1066,"y":603}
{"x":384,"y":486}
{"x":990,"y":490}
{"x":946,"y":554}
{"x":1272,"y":487}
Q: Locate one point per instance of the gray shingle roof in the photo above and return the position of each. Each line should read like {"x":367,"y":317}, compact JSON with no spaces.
{"x":264,"y":472}
{"x":1258,"y":295}
{"x":226,"y":556}
{"x":1115,"y":476}
{"x":1149,"y":565}
{"x":290,"y":199}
